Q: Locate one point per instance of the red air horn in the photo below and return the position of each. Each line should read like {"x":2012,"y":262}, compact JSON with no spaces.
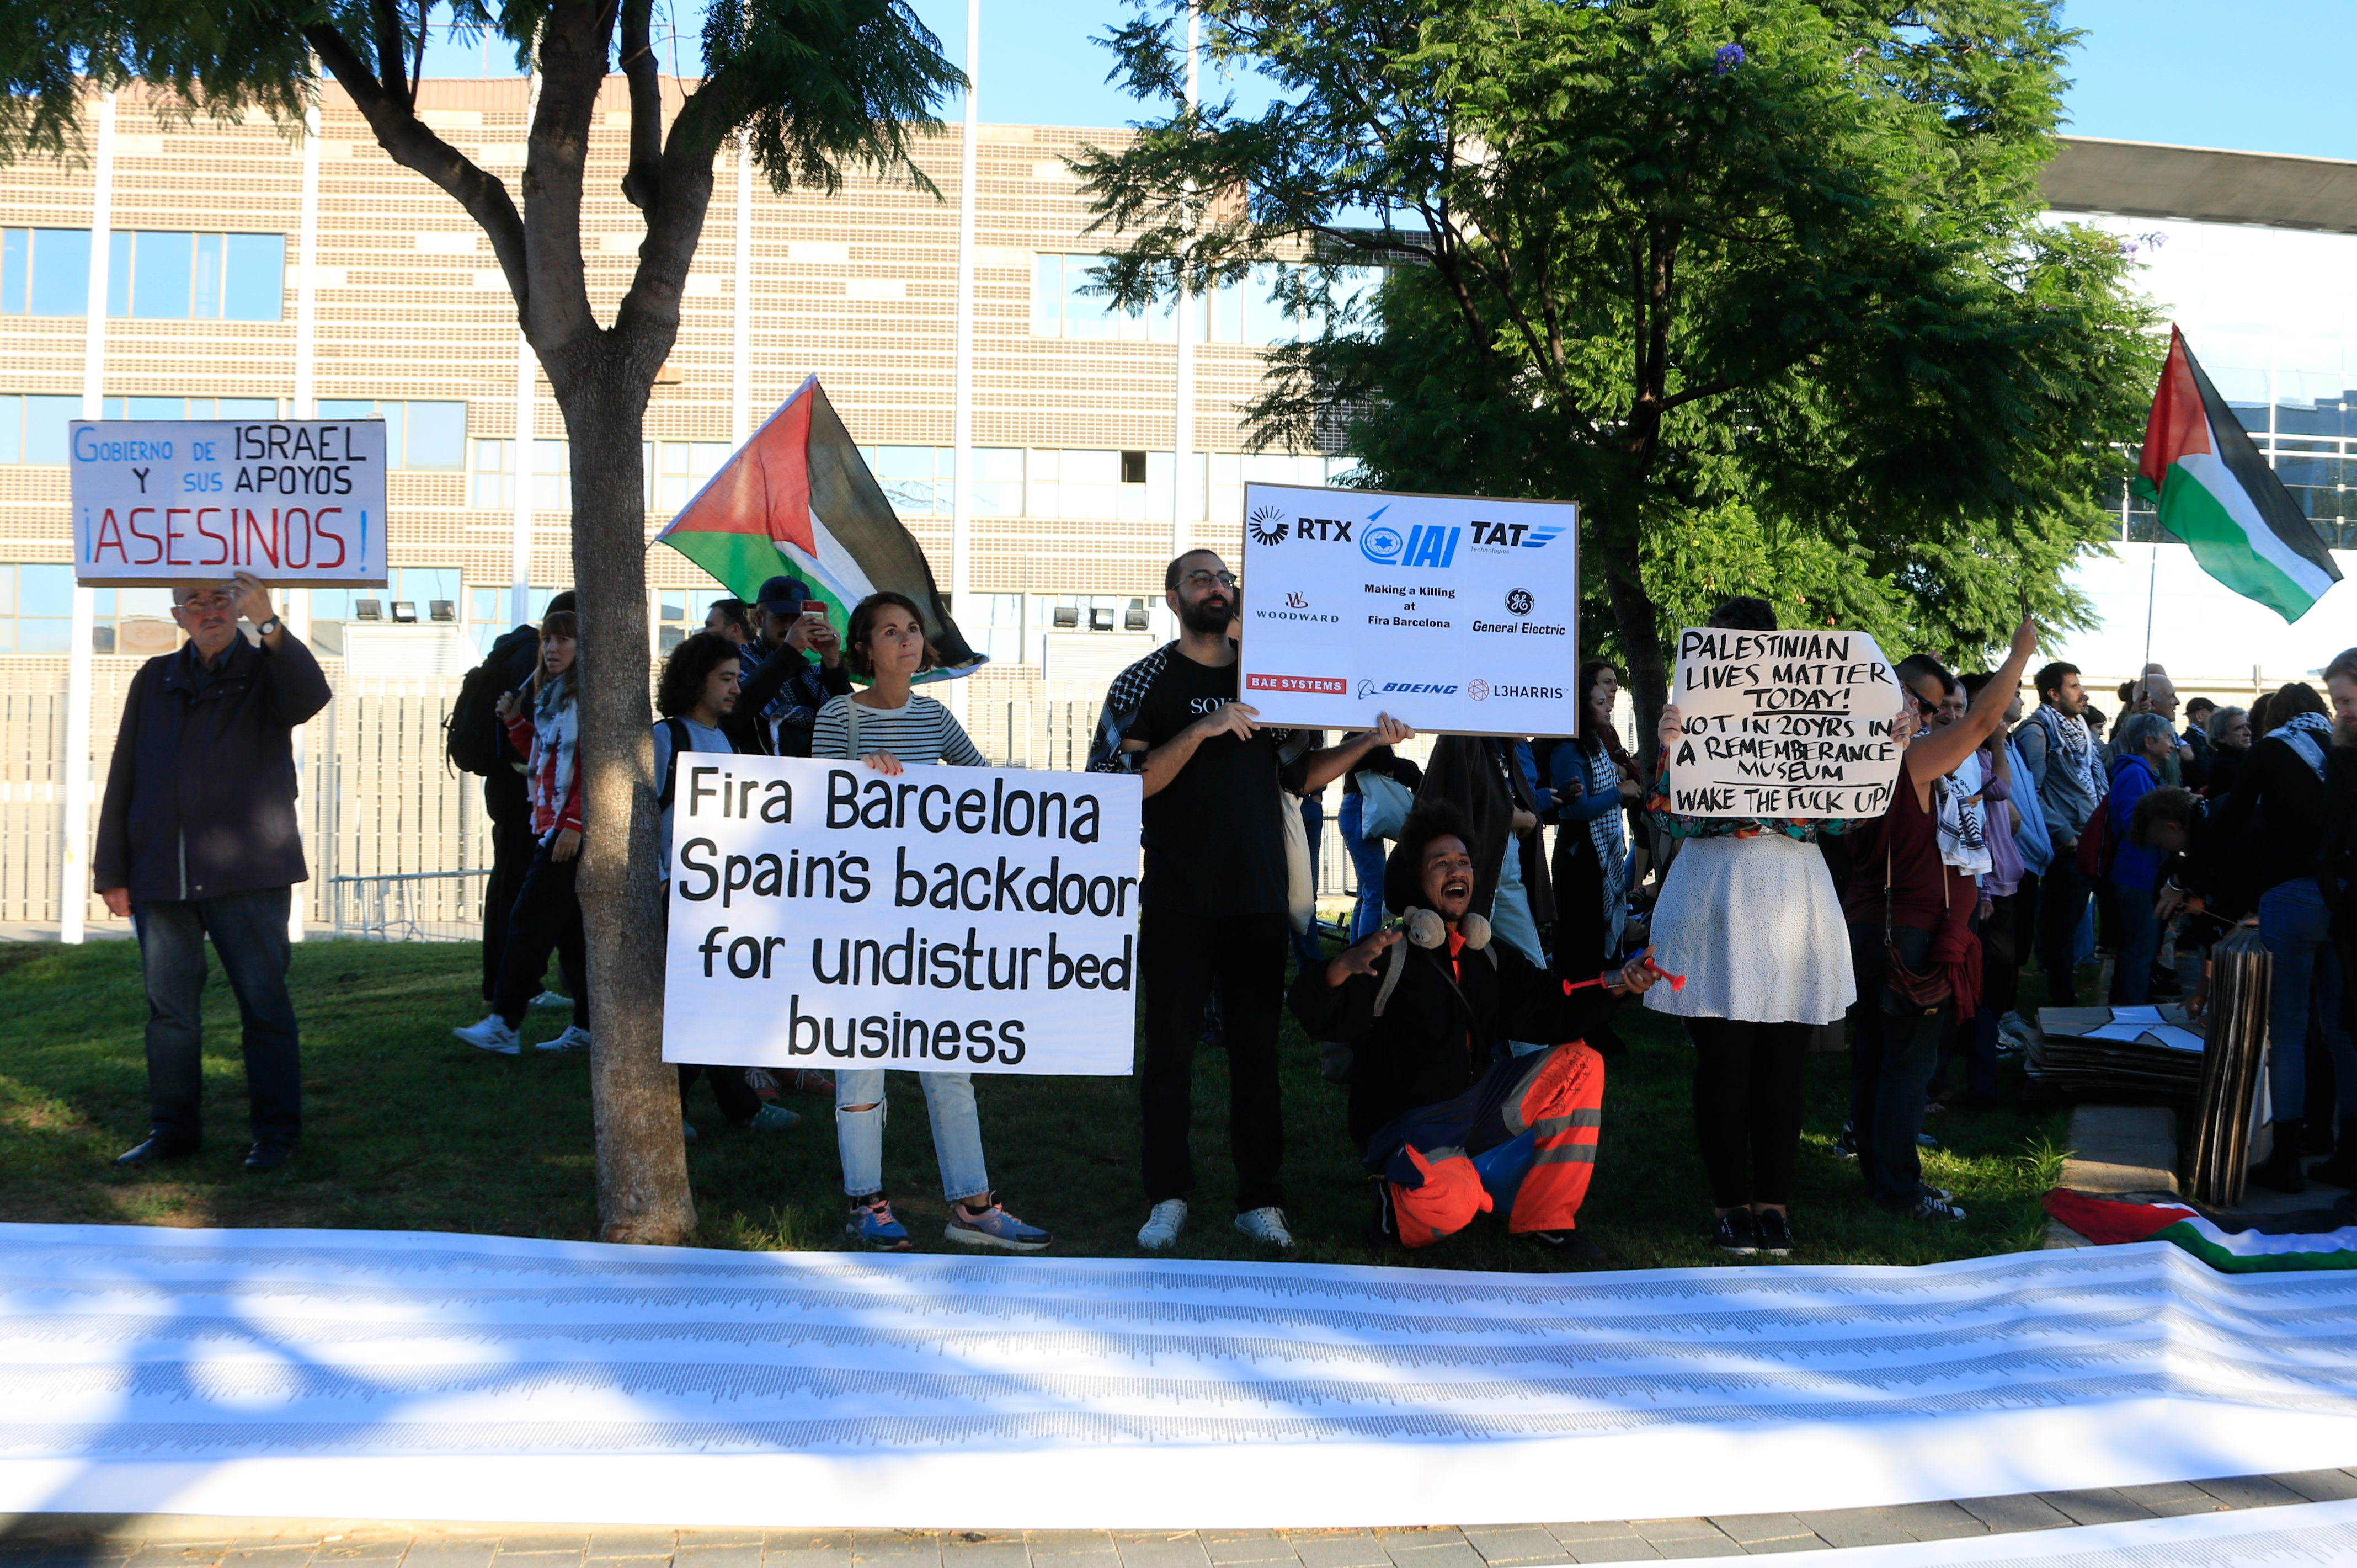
{"x":1677,"y":982}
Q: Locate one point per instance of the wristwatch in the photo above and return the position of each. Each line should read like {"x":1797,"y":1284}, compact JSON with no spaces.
{"x":268,"y":627}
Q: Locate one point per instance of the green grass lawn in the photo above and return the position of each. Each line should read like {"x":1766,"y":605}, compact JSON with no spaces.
{"x":407,"y":1129}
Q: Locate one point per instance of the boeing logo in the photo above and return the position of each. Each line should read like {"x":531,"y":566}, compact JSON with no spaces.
{"x":1403,"y":688}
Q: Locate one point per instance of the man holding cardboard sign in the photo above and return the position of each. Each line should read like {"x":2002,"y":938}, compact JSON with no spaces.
{"x":197,"y":838}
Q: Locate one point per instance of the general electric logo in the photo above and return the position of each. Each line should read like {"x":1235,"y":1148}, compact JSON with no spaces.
{"x":1520,"y":601}
{"x":1478,"y":689}
{"x":1267,"y":525}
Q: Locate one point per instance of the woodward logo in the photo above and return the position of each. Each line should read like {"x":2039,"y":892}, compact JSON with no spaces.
{"x":1295,"y":615}
{"x":1403,"y":688}
{"x":1328,"y":685}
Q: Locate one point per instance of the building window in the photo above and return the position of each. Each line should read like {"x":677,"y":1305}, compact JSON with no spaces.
{"x":1257,"y":310}
{"x":36,"y":609}
{"x":185,"y":408}
{"x":493,"y":487}
{"x":993,"y":626}
{"x":1064,"y":304}
{"x":158,"y":274}
{"x":675,"y":470}
{"x":43,"y":271}
{"x":33,"y":428}
{"x":680,"y":612}
{"x":487,"y":612}
{"x":414,"y":596}
{"x":427,"y":436}
{"x":921,"y":481}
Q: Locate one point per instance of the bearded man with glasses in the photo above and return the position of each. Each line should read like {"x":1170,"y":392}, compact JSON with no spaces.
{"x":1213,"y":904}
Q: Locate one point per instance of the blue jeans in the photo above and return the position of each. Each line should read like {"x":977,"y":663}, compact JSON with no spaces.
{"x":949,"y":1105}
{"x":2295,"y":926}
{"x":248,"y":934}
{"x":2139,"y":934}
{"x":1367,"y":856}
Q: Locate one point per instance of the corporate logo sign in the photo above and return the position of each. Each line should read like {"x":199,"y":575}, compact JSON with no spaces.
{"x":1448,"y":612}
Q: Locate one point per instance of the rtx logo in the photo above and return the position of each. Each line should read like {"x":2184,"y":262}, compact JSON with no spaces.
{"x":1512,"y":535}
{"x":1267,"y":525}
{"x":1334,"y":529}
{"x":1423,"y":544}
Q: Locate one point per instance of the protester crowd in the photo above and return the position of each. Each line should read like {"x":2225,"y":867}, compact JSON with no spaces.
{"x":1468,"y":1017}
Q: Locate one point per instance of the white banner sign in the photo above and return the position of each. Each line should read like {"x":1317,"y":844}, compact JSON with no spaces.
{"x":1783,"y":724}
{"x":950,"y":919}
{"x":300,"y":501}
{"x":1448,"y":612}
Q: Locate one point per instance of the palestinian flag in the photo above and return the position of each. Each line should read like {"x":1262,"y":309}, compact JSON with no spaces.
{"x":2217,"y":493}
{"x":798,"y":499}
{"x":2233,"y":1252}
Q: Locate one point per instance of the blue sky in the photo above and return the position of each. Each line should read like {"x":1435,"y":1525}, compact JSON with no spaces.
{"x":2256,"y":75}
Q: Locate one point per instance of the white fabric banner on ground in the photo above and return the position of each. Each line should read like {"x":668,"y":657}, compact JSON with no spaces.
{"x":2245,"y":1538}
{"x":940,"y":919}
{"x":443,"y":1376}
{"x":1783,"y":724}
{"x":1452,"y":613}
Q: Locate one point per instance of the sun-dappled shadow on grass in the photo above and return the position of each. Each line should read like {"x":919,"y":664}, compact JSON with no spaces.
{"x":408,"y":1129}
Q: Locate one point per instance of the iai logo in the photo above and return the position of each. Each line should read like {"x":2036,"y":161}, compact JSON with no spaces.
{"x":1267,"y":525}
{"x":1424,"y":544}
{"x":1382,"y":544}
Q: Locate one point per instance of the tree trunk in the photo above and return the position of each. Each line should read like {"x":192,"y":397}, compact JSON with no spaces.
{"x":1638,"y":620}
{"x":642,"y":1187}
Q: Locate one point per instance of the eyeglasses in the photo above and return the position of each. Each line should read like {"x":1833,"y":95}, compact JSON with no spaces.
{"x":1205,"y":579}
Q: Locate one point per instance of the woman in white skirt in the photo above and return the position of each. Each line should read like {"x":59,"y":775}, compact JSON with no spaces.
{"x":1748,"y":914}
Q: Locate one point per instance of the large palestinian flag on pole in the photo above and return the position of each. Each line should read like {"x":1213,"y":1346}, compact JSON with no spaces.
{"x":798,"y":499}
{"x":2218,"y":494}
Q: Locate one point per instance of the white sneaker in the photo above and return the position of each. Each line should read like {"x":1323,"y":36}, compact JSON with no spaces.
{"x":549,"y":999}
{"x":575,"y":1038}
{"x":1265,"y":1225}
{"x":1162,"y":1227}
{"x":491,"y":1034}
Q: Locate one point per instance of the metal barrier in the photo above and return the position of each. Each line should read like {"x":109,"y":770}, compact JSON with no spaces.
{"x":413,"y":906}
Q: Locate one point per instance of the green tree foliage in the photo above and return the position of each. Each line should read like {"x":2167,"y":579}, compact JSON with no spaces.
{"x":812,"y":85}
{"x":1764,"y":285}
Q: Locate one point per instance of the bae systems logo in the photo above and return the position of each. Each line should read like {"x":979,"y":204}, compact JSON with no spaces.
{"x":1267,"y":525}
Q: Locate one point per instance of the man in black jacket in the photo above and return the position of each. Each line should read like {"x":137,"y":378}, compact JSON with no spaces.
{"x":197,"y":838}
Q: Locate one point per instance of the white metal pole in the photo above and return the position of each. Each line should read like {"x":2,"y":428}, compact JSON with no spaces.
{"x":520,"y":528}
{"x":741,"y":368}
{"x":74,"y":883}
{"x":1183,"y":513}
{"x":296,"y":609}
{"x":962,"y":396}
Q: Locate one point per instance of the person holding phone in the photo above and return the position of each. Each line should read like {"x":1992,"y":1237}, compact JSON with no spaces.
{"x":888,"y":727}
{"x":792,"y":668}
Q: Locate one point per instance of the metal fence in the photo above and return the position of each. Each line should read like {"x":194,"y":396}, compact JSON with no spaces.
{"x":395,"y":838}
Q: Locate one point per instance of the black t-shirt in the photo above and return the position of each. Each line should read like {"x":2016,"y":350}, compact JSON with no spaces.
{"x":1214,"y":843}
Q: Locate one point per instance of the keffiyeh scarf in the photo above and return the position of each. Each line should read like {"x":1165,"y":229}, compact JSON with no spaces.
{"x":2067,"y":738}
{"x":555,"y":749}
{"x":2307,"y":734}
{"x":1604,"y":833}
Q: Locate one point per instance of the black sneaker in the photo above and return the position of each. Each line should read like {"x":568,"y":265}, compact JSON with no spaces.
{"x":1570,"y":1245}
{"x":1936,"y":1209}
{"x":1737,"y":1233}
{"x":1774,"y":1230}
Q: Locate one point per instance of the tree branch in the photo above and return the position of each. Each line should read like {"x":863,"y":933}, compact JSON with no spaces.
{"x":410,"y":144}
{"x":391,"y":53}
{"x":642,"y":183}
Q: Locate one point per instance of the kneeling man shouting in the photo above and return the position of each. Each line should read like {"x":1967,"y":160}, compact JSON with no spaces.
{"x":1453,"y":1124}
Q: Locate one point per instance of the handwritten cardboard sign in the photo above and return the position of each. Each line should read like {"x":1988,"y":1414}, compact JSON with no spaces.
{"x":1783,"y":723}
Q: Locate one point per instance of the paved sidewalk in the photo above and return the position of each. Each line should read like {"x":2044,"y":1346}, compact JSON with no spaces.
{"x":54,"y":1540}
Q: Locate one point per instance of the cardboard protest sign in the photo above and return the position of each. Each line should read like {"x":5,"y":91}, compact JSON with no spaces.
{"x":1452,"y":613}
{"x":296,"y":501}
{"x":1783,"y":724}
{"x":950,"y":920}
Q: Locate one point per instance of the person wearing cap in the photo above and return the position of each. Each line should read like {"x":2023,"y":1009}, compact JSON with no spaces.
{"x":778,"y":705}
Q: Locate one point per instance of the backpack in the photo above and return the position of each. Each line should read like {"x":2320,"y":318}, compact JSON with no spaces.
{"x":2099,"y":841}
{"x":680,"y":742}
{"x":472,"y":737}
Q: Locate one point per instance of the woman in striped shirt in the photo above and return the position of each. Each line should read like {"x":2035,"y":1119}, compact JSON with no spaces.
{"x":888,"y":726}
